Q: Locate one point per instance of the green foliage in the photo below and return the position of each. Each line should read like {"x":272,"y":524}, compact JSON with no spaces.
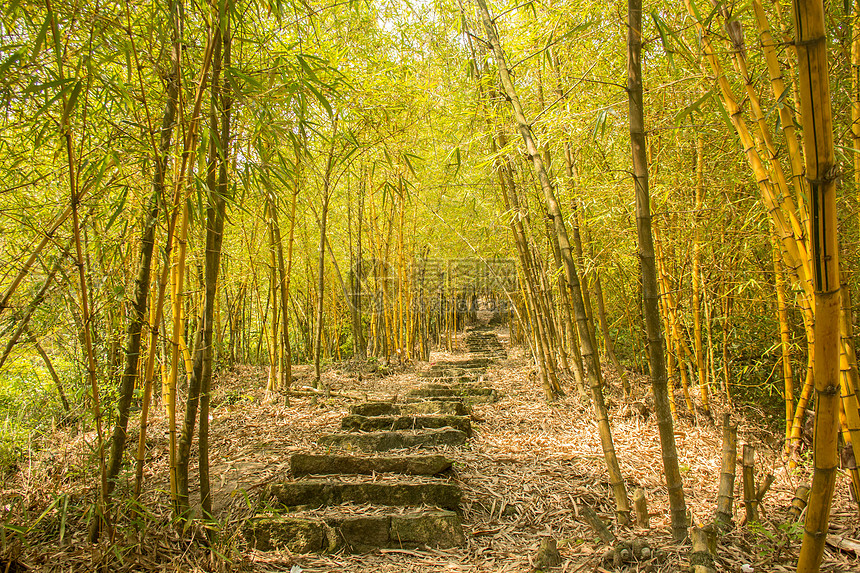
{"x":29,"y":407}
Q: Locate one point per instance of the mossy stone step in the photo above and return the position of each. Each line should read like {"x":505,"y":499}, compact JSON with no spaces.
{"x":304,"y":464}
{"x":295,"y":534}
{"x":384,"y":441}
{"x":356,"y":534}
{"x":453,"y":377}
{"x":355,"y":423}
{"x":436,"y":370}
{"x":323,"y":493}
{"x":392,"y":409}
{"x":495,"y":355}
{"x":442,"y":391}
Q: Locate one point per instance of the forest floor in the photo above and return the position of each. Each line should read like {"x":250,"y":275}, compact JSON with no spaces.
{"x":526,"y":473}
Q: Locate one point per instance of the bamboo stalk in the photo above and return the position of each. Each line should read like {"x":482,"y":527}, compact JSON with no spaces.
{"x":180,"y":208}
{"x":767,"y":149}
{"x":694,"y":273}
{"x":58,"y":382}
{"x":701,"y":558}
{"x":786,"y":117}
{"x":34,"y":255}
{"x":648,"y":270}
{"x":24,"y":320}
{"x":640,"y":505}
{"x":775,"y":204}
{"x":814,"y":89}
{"x":725,"y":496}
{"x":799,"y":501}
{"x":849,"y":413}
{"x":748,"y":471}
{"x":763,"y":488}
{"x":672,"y":327}
{"x":784,"y":343}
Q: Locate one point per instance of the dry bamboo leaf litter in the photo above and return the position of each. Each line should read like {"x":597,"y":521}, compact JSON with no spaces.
{"x":525,"y":473}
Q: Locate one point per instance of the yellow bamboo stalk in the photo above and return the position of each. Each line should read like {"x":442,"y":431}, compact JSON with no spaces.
{"x":180,"y":205}
{"x":672,"y":329}
{"x":814,"y":88}
{"x":788,"y":41}
{"x":805,"y":395}
{"x":670,"y":358}
{"x":768,"y":150}
{"x":784,"y":341}
{"x":786,"y":116}
{"x":855,"y":93}
{"x":849,"y":413}
{"x":694,"y":271}
{"x":791,"y":250}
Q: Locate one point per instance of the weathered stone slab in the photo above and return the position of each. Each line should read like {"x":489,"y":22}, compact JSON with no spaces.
{"x":298,"y":535}
{"x":322,"y":493}
{"x":353,"y":423}
{"x":467,"y":363}
{"x":356,"y":534}
{"x":440,"y":529}
{"x":452,"y":408}
{"x":440,"y":391}
{"x":384,"y":441}
{"x":304,"y":464}
{"x":363,"y":533}
{"x":375,"y":409}
{"x":413,"y":399}
{"x":454,"y":378}
{"x":413,"y":408}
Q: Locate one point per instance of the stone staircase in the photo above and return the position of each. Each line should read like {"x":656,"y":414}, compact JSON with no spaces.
{"x":483,"y":343}
{"x":385,"y":480}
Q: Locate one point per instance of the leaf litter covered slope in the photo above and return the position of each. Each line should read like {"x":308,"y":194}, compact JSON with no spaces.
{"x":526,"y":474}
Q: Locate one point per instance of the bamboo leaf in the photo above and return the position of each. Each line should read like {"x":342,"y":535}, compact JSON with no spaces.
{"x":73,"y":100}
{"x":599,"y":124}
{"x":695,"y":106}
{"x":320,"y":98}
{"x":40,"y":38}
{"x":119,"y":208}
{"x":307,"y":69}
{"x":664,"y":32}
{"x":7,"y":64}
{"x":250,"y":80}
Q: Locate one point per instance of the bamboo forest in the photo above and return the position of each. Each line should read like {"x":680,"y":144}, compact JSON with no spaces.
{"x":451,"y":286}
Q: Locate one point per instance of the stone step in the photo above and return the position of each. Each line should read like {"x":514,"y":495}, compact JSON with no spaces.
{"x":497,"y":355}
{"x":356,"y":534}
{"x":404,"y":439}
{"x":452,"y":377}
{"x":315,"y":493}
{"x":355,"y":423}
{"x":413,"y":399}
{"x":304,"y":464}
{"x":392,"y":409}
{"x":467,"y":363}
{"x":443,"y":391}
